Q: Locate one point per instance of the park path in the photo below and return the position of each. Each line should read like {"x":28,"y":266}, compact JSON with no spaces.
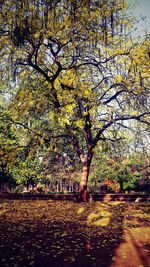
{"x":134,"y":251}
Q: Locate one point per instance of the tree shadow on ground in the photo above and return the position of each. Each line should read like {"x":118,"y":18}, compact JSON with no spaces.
{"x":91,"y":242}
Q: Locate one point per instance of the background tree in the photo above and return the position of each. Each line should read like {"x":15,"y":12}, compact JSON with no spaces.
{"x":80,"y":73}
{"x":28,"y":172}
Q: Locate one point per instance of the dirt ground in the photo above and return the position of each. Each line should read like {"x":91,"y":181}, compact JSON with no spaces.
{"x":65,"y":234}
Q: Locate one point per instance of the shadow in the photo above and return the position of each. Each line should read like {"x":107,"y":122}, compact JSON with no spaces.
{"x":144,"y":259}
{"x":52,"y":243}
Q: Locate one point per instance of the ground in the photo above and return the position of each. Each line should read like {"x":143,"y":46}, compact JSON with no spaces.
{"x":65,"y":234}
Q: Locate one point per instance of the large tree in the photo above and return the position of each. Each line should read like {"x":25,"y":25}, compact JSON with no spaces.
{"x":79,"y":72}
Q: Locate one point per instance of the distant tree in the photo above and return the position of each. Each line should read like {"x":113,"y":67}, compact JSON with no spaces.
{"x":6,"y":180}
{"x":61,"y":167}
{"x":28,"y":172}
{"x":120,"y":173}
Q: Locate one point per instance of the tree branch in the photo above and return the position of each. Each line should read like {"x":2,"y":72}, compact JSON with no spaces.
{"x":113,"y":97}
{"x":122,"y":118}
{"x":46,"y":140}
{"x":76,"y":145}
{"x":110,"y":139}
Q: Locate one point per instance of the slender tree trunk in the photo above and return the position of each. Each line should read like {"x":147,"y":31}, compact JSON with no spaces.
{"x":61,"y":186}
{"x":86,"y":163}
{"x":121,"y":185}
{"x":76,"y":187}
{"x":69,"y":186}
{"x":57,"y":187}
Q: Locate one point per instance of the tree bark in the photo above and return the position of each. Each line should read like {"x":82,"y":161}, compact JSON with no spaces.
{"x":86,"y":163}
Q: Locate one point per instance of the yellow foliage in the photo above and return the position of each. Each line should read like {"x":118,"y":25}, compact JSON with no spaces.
{"x":52,"y":116}
{"x":70,"y":109}
{"x":118,"y":78}
{"x":79,"y":123}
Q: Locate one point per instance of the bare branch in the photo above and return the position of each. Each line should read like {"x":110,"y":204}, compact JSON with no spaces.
{"x":113,"y":97}
{"x":46,"y":140}
{"x":110,"y":139}
{"x":121,"y":118}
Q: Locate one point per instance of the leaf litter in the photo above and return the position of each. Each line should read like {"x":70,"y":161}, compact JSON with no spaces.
{"x":60,"y":233}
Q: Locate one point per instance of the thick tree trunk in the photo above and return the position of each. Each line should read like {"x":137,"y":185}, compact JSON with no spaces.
{"x":86,"y":163}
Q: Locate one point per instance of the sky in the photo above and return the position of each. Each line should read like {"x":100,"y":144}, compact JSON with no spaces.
{"x":142,"y":8}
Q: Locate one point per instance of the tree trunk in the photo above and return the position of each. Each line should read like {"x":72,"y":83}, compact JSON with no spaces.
{"x":60,"y":185}
{"x":57,"y":188}
{"x":121,"y":185}
{"x":86,"y":163}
